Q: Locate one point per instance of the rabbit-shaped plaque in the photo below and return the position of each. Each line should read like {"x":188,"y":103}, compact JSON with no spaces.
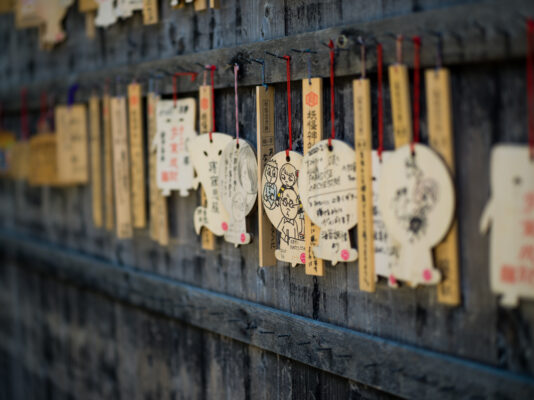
{"x":106,"y":15}
{"x":206,"y":157}
{"x":327,"y":183}
{"x":416,"y":200}
{"x":281,"y":201}
{"x":510,"y":211}
{"x":238,"y":188}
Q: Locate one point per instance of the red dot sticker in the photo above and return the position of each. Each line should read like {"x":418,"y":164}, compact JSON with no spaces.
{"x":243,"y":237}
{"x":345,"y":255}
{"x":303,"y":258}
{"x":392,"y":280}
{"x":427,"y":274}
{"x":224,"y":226}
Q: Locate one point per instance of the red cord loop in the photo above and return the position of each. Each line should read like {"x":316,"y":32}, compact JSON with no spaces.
{"x":288,"y":78}
{"x":212,"y":69}
{"x":332,"y":95}
{"x":175,"y":84}
{"x":416,"y":89}
{"x":380,"y":101}
{"x":530,"y":85}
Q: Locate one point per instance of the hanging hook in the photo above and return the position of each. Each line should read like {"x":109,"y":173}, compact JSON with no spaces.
{"x":309,"y":52}
{"x":398,"y":46}
{"x":261,"y":61}
{"x":362,"y":54}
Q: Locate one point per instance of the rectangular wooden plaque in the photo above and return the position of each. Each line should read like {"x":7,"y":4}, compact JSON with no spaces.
{"x":42,"y":160}
{"x":401,"y":111}
{"x":121,"y":170}
{"x":71,"y":128}
{"x":96,"y":161}
{"x":312,"y":132}
{"x":150,"y":12}
{"x":265,"y":142}
{"x":363,"y":145}
{"x":87,"y":5}
{"x":137,"y":159}
{"x":108,"y":164}
{"x":439,"y":114}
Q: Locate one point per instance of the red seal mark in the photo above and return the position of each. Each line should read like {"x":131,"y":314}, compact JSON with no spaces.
{"x":392,"y":280}
{"x":345,"y":254}
{"x":427,"y":274}
{"x":243,"y":237}
{"x":224,"y":226}
{"x":303,"y":258}
{"x":312,"y":99}
{"x":204,"y":104}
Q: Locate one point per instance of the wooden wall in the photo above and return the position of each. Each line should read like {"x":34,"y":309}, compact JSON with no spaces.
{"x":84,"y":315}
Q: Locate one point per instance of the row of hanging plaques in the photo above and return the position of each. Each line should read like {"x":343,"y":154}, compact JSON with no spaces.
{"x":401,"y":201}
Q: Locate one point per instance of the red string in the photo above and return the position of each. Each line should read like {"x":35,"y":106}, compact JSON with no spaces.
{"x":288,"y":77}
{"x":332,"y":96}
{"x":212,"y":69}
{"x":24,"y":128}
{"x":380,"y":102}
{"x":530,"y":85}
{"x":175,"y":84}
{"x":416,"y":89}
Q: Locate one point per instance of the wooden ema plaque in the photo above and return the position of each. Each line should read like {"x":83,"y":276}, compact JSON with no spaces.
{"x":312,"y":133}
{"x":206,"y":123}
{"x":87,"y":5}
{"x":137,"y":159}
{"x":26,"y":15}
{"x":439,"y":114}
{"x":71,"y":128}
{"x":51,"y":13}
{"x":399,"y":86}
{"x":19,"y":156}
{"x":150,"y":12}
{"x":43,"y":160}
{"x":108,"y":164}
{"x":510,"y":213}
{"x":121,"y":170}
{"x":106,"y":14}
{"x":265,"y":143}
{"x":96,"y":161}
{"x":363,"y":143}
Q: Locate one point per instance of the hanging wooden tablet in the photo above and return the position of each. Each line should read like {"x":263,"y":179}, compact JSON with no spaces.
{"x":238,"y":188}
{"x":416,"y":200}
{"x":96,"y":161}
{"x":52,"y":12}
{"x":400,"y":104}
{"x":439,"y":112}
{"x":43,"y":160}
{"x":327,"y":184}
{"x":108,"y":163}
{"x":265,"y":143}
{"x":281,"y":201}
{"x":176,"y":128}
{"x":159,"y":224}
{"x":363,"y":141}
{"x":106,"y":14}
{"x":312,"y":133}
{"x":150,"y":12}
{"x":19,"y":158}
{"x":510,"y":212}
{"x":71,"y":130}
{"x":386,"y":254}
{"x":85,"y":6}
{"x":121,"y":170}
{"x":26,"y":15}
{"x":201,"y":5}
{"x":7,"y":141}
{"x":206,"y":159}
{"x":90,"y":27}
{"x":206,"y":125}
{"x":137,"y":158}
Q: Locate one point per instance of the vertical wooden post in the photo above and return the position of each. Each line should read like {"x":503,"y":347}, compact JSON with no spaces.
{"x":312,"y":132}
{"x":265,"y":143}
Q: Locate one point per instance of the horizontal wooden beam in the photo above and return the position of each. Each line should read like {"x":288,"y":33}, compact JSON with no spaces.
{"x":478,"y":32}
{"x":400,"y":369}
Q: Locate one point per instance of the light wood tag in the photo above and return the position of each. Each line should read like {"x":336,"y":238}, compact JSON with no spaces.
{"x":137,"y":158}
{"x":96,"y":162}
{"x":20,"y":160}
{"x":386,"y":255}
{"x":400,"y":104}
{"x":439,"y":111}
{"x":206,"y":159}
{"x":85,"y":6}
{"x":43,"y":167}
{"x":416,"y":200}
{"x":215,"y":4}
{"x":327,"y":186}
{"x":510,"y":212}
{"x":176,"y":128}
{"x":90,"y":28}
{"x":238,"y":188}
{"x":7,"y":141}
{"x":312,"y":133}
{"x":52,"y":13}
{"x":71,"y":128}
{"x":363,"y":142}
{"x":121,"y":170}
{"x":108,"y":164}
{"x":106,"y":15}
{"x":265,"y":143}
{"x":7,"y":6}
{"x":150,"y":12}
{"x":207,"y":239}
{"x":201,"y":5}
{"x":26,"y":15}
{"x":281,"y":201}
